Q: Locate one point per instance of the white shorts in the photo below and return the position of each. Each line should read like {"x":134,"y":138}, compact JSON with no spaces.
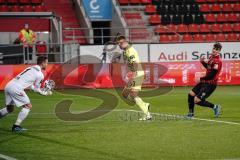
{"x":14,"y":95}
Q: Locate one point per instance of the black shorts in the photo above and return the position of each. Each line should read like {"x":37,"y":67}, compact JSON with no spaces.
{"x":203,"y":90}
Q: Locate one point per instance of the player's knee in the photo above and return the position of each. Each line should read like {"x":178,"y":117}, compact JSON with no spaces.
{"x":10,"y":108}
{"x":197,"y":100}
{"x":192,"y":93}
{"x":28,"y":106}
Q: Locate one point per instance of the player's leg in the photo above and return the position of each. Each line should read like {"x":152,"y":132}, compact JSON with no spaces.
{"x":205,"y":92}
{"x":9,"y":105}
{"x":191,"y":96}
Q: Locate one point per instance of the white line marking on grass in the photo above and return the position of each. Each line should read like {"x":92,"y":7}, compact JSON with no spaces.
{"x":7,"y":157}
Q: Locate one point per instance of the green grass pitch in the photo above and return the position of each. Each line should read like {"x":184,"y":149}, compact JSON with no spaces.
{"x":119,"y":136}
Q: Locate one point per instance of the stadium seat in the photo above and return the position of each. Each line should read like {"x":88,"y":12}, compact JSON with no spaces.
{"x":188,"y":19}
{"x":216,"y":8}
{"x":200,"y":1}
{"x":205,"y":8}
{"x":177,"y":19}
{"x":24,"y":2}
{"x":11,"y":2}
{"x":187,"y":38}
{"x":155,"y":19}
{"x":226,"y":7}
{"x":204,"y":28}
{"x":216,"y":28}
{"x":210,"y":18}
{"x":175,"y":38}
{"x":171,"y":28}
{"x":226,"y":27}
{"x":221,"y":18}
{"x":232,"y":17}
{"x":182,"y":9}
{"x":198,"y":19}
{"x":2,"y":1}
{"x":166,"y":19}
{"x":160,"y":29}
{"x":15,"y":8}
{"x":210,"y":37}
{"x":135,"y":2}
{"x":150,"y":9}
{"x":40,"y":8}
{"x":232,"y":37}
{"x":36,"y":2}
{"x":123,"y":2}
{"x":236,"y":7}
{"x":220,"y":37}
{"x":198,"y":38}
{"x":236,"y":27}
{"x":164,"y":39}
{"x":146,"y":2}
{"x":27,"y":8}
{"x":161,"y":9}
{"x":193,"y":28}
{"x":172,"y":9}
{"x":4,"y":8}
{"x":194,"y":9}
{"x":182,"y":28}
{"x":211,"y":1}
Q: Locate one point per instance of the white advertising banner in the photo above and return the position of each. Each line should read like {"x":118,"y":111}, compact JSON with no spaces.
{"x":191,"y":51}
{"x":90,"y":53}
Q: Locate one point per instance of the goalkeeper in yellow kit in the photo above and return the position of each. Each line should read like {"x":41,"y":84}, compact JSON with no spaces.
{"x":134,"y":84}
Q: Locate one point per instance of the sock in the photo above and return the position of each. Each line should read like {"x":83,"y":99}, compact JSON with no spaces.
{"x":206,"y":104}
{"x":3,"y":112}
{"x":191,"y":103}
{"x":141,"y":104}
{"x":22,"y":115}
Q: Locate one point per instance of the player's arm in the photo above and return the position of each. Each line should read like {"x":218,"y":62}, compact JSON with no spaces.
{"x":36,"y":87}
{"x":211,"y":74}
{"x":133,"y":61}
{"x":204,"y":62}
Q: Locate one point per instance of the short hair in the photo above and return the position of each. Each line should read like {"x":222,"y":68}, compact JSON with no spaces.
{"x":119,"y":37}
{"x":41,"y":59}
{"x":217,"y":46}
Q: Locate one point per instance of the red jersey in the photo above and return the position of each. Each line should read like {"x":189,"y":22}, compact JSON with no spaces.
{"x":213,"y":66}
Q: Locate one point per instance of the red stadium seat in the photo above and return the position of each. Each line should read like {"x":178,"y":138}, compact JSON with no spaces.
{"x":4,"y":8}
{"x":220,"y":37}
{"x":2,"y":1}
{"x":211,"y":1}
{"x":160,"y":29}
{"x":171,"y":28}
{"x":123,"y":2}
{"x":193,"y":28}
{"x":187,"y":38}
{"x":15,"y":8}
{"x":150,"y":9}
{"x":28,"y":8}
{"x":155,"y":19}
{"x":24,"y":1}
{"x":236,"y":27}
{"x":200,"y":1}
{"x":198,"y":38}
{"x":216,"y":28}
{"x":226,"y":27}
{"x":221,"y":18}
{"x":232,"y":37}
{"x":164,"y":38}
{"x":175,"y":38}
{"x":12,"y":1}
{"x":40,"y":8}
{"x":204,"y":28}
{"x":210,"y":18}
{"x":232,"y":17}
{"x":146,"y":1}
{"x":182,"y":28}
{"x":134,"y":2}
{"x":210,"y":38}
{"x":216,"y":8}
{"x":36,"y":2}
{"x":236,"y":7}
{"x":205,"y":8}
{"x":227,"y":7}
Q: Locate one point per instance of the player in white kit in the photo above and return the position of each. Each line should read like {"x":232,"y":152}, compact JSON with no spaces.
{"x":16,"y":96}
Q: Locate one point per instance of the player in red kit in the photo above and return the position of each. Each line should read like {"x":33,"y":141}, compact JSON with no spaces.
{"x":207,"y":84}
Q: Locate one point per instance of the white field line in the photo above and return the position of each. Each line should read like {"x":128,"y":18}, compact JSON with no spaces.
{"x":7,"y":157}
